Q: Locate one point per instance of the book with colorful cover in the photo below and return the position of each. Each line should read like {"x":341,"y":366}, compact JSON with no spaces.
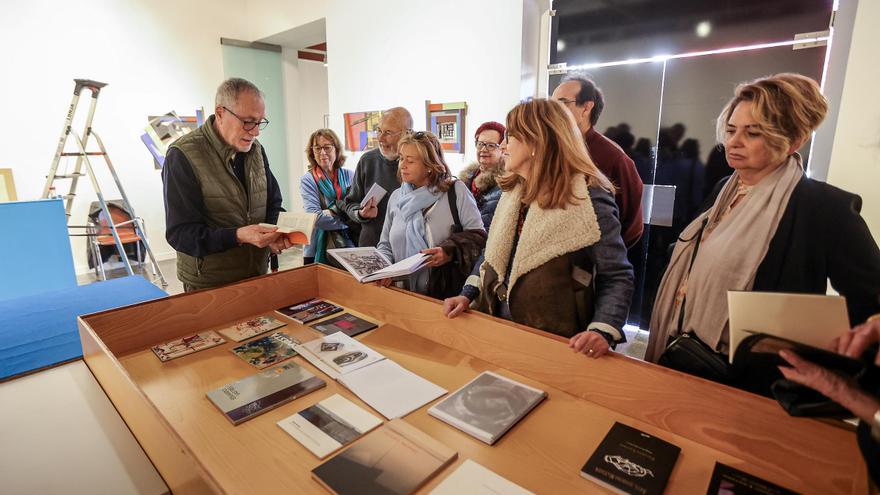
{"x":727,"y":480}
{"x":346,"y":323}
{"x":251,"y":328}
{"x":396,"y":459}
{"x":187,"y":345}
{"x":310,"y":310}
{"x":630,"y":461}
{"x":268,"y":350}
{"x":264,"y":391}
{"x":329,"y":425}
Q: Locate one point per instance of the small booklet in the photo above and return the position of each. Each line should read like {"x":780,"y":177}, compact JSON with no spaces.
{"x":267,"y":351}
{"x":729,"y":481}
{"x":375,"y":191}
{"x":310,"y":310}
{"x":347,"y":323}
{"x":329,"y":425}
{"x":396,"y":459}
{"x":251,"y":328}
{"x":810,"y":319}
{"x":630,"y":461}
{"x":242,"y":400}
{"x":368,"y":264}
{"x":391,"y":389}
{"x":338,"y":354}
{"x":187,"y":345}
{"x":488,"y":406}
{"x":475,"y":479}
{"x":297,"y":225}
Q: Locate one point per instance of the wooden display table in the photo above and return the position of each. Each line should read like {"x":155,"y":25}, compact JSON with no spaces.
{"x":197,"y":450}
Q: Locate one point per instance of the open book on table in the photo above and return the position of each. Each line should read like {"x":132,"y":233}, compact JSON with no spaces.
{"x":297,"y":225}
{"x":368,"y":264}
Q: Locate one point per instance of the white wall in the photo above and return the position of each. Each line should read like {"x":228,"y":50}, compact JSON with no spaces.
{"x":305,"y":92}
{"x":405,"y":52}
{"x":855,"y":156}
{"x":156,"y":56}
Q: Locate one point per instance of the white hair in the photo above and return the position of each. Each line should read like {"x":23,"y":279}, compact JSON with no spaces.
{"x":228,"y":91}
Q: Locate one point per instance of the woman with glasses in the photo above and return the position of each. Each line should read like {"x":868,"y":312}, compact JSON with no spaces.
{"x":325,"y":184}
{"x":554,"y":259}
{"x":431,"y":213}
{"x":481,"y":176}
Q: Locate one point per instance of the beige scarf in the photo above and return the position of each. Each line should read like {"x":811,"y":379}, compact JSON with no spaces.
{"x":733,"y":245}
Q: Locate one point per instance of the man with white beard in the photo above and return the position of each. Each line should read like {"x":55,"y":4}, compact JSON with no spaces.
{"x":377,"y":166}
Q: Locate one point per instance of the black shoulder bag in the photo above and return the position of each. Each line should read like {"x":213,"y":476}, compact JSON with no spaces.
{"x":686,"y":352}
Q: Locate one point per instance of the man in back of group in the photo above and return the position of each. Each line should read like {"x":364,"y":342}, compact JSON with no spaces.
{"x":377,"y":166}
{"x":218,"y":188}
{"x":585,"y":101}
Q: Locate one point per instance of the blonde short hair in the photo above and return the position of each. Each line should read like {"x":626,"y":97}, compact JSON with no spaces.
{"x":560,"y":154}
{"x":787,"y":108}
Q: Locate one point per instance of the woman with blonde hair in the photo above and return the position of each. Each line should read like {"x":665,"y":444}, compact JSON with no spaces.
{"x":325,"y":184}
{"x":771,"y":228}
{"x":431,"y":213}
{"x":555,"y":259}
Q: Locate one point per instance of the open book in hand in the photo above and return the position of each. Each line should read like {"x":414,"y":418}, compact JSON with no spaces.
{"x":368,"y":264}
{"x":297,"y":225}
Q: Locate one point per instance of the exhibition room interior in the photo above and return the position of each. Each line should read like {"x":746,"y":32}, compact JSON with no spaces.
{"x":124,"y":372}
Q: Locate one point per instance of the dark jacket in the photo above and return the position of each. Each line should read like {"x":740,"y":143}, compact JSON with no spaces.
{"x":821,"y":236}
{"x":485,"y":190}
{"x":622,"y":172}
{"x":371,"y":168}
{"x":547,"y":280}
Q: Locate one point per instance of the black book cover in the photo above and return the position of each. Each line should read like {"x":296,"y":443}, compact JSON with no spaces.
{"x":731,"y":481}
{"x":631,"y":461}
{"x":347,"y":323}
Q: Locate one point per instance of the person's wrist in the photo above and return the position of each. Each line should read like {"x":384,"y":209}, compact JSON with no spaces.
{"x":607,"y":336}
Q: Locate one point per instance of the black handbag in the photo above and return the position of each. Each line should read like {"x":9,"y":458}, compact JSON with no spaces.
{"x":685,"y":351}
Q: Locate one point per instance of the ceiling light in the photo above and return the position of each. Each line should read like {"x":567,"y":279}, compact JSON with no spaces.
{"x":703,"y":29}
{"x":560,"y":45}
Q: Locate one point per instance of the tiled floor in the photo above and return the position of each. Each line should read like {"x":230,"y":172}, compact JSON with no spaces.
{"x":637,"y":340}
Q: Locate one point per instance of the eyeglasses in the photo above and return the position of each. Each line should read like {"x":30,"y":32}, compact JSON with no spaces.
{"x":249,"y":125}
{"x":387,"y":133}
{"x":566,"y":101}
{"x":326,"y":149}
{"x":489,"y":146}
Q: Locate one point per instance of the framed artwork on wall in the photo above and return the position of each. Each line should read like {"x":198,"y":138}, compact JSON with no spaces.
{"x":447,"y":122}
{"x":361,"y":130}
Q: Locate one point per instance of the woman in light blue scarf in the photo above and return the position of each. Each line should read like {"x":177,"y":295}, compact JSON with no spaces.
{"x":420,"y":219}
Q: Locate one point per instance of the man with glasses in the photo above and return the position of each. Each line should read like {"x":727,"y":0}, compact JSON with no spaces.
{"x":218,"y":188}
{"x":584,"y":100}
{"x":377,"y":166}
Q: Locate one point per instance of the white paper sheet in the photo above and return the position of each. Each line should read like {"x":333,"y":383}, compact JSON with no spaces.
{"x":391,"y":389}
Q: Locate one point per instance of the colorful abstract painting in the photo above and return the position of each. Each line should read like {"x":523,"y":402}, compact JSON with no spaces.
{"x":447,"y":121}
{"x":360,"y":130}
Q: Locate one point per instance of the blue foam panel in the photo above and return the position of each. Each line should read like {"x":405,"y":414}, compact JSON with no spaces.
{"x":40,"y":330}
{"x":35,"y":253}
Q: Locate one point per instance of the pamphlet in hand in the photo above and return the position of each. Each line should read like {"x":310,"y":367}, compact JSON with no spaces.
{"x":298,"y":226}
{"x":367,"y":264}
{"x":810,"y":319}
{"x":376,"y":191}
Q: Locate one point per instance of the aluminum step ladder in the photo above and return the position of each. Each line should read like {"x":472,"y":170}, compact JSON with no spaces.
{"x":83,"y":158}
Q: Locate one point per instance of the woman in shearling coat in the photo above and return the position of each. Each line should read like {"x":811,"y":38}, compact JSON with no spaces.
{"x":555,"y":259}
